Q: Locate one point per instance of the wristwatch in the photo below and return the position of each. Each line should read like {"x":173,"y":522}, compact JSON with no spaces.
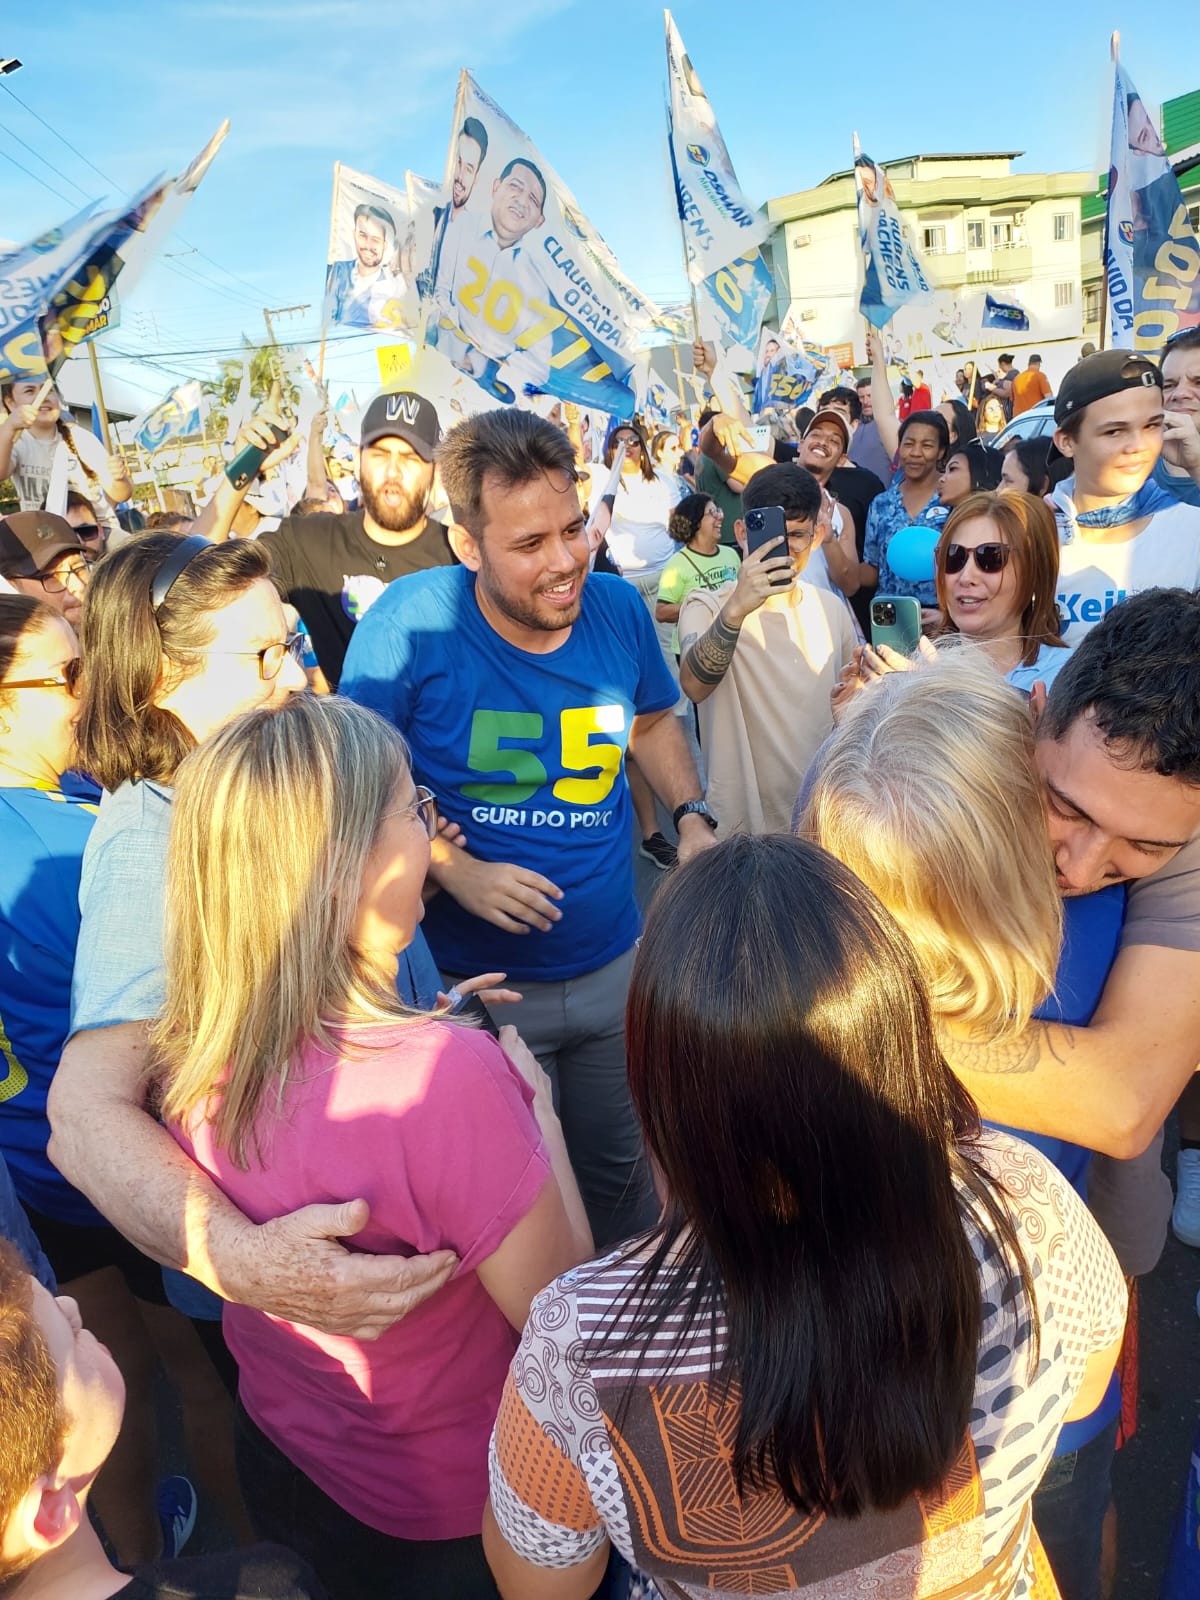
{"x":693,"y":808}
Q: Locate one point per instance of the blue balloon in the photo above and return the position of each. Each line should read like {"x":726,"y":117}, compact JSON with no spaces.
{"x":910,"y":553}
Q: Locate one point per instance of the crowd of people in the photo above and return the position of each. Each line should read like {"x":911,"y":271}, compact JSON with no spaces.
{"x":496,"y":1238}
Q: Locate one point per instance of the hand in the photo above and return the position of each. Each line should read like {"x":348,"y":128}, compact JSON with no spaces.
{"x":257,"y":432}
{"x":22,"y":417}
{"x":931,"y":617}
{"x":849,"y":682}
{"x":754,"y":586}
{"x":824,"y":528}
{"x":1181,"y":441}
{"x":300,"y":1271}
{"x":485,"y":986}
{"x":318,"y":425}
{"x":528,"y":1065}
{"x":509,"y":897}
{"x":451,"y":832}
{"x":702,"y":360}
{"x":695,"y":835}
{"x":118,"y":469}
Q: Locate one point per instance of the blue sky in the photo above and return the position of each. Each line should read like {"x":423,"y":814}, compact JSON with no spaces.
{"x":139,"y":85}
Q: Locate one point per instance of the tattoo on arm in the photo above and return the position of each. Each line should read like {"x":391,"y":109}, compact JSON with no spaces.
{"x":1010,"y":1056}
{"x":708,"y":659}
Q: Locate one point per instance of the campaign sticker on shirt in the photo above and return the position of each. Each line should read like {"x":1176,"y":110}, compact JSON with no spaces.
{"x":359,"y":593}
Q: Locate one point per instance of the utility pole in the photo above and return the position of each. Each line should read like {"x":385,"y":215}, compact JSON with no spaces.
{"x":278,"y":311}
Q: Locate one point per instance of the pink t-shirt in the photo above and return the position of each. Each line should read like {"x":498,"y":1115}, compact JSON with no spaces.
{"x":434,"y":1128}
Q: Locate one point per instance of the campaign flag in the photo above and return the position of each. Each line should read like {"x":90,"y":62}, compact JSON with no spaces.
{"x":894,"y":275}
{"x":370,"y":281}
{"x":722,"y":230}
{"x":54,"y":289}
{"x":173,"y":417}
{"x":1006,"y":315}
{"x":785,"y":376}
{"x":526,"y":295}
{"x":1151,"y":254}
{"x":242,"y":408}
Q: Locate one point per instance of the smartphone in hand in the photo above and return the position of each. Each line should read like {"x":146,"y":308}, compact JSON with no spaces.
{"x":763,"y":525}
{"x":896,"y":621}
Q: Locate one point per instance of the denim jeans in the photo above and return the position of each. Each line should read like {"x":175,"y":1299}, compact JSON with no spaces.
{"x":352,"y":1560}
{"x":1068,"y":1512}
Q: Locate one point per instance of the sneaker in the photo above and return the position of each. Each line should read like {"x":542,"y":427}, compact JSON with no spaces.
{"x":176,"y":1514}
{"x":1185,"y":1218}
{"x":656,"y":849}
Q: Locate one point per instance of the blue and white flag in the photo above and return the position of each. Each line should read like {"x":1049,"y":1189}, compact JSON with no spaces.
{"x":1006,"y":315}
{"x":1151,"y":254}
{"x":173,"y":417}
{"x":894,"y":275}
{"x":785,"y":377}
{"x":526,"y":294}
{"x":55,"y":290}
{"x":722,"y":230}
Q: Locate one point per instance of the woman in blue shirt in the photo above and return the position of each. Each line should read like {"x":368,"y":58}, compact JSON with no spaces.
{"x":911,"y":501}
{"x":996,"y":576}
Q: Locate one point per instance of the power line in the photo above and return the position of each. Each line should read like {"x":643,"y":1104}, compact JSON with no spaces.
{"x":61,"y":137}
{"x":49,"y":186}
{"x":58,"y":173}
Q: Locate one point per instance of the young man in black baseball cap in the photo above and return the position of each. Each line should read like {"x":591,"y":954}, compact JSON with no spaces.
{"x":333,"y":567}
{"x":1120,"y":531}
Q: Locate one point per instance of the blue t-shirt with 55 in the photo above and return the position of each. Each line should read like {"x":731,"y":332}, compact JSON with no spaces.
{"x":525,"y":751}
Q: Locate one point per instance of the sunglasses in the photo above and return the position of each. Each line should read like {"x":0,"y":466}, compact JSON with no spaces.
{"x":68,"y":679}
{"x":87,"y":531}
{"x":988,"y":557}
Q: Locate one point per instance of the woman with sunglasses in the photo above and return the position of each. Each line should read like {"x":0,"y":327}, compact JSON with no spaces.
{"x":44,"y":831}
{"x":292,"y":1071}
{"x":996,"y":574}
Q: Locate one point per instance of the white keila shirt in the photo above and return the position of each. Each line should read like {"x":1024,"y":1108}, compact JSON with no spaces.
{"x":33,"y":462}
{"x":638,"y":540}
{"x":1100,"y":567}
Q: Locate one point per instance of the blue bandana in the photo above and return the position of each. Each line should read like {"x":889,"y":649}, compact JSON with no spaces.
{"x":1151,"y":497}
{"x":1144,"y":503}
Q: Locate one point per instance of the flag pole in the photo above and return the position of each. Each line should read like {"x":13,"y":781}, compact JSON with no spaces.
{"x":1114,"y":50}
{"x":337,"y":170}
{"x":101,"y":408}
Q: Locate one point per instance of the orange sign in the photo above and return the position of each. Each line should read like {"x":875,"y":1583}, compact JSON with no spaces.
{"x":843,"y":354}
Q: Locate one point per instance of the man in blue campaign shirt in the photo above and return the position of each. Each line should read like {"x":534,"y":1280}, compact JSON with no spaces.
{"x":520,"y":682}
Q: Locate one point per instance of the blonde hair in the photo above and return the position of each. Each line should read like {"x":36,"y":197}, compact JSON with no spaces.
{"x":274,"y":818}
{"x":928,"y":792}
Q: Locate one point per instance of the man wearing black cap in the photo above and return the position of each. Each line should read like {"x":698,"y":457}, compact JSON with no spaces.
{"x":333,"y":567}
{"x":1120,"y":532}
{"x":41,"y":555}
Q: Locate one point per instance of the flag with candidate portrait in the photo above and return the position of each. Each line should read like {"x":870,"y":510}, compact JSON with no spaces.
{"x":1151,"y":253}
{"x":526,"y":296}
{"x":722,"y":230}
{"x":54,"y":290}
{"x":785,"y":376}
{"x":172,"y":418}
{"x":893,"y":274}
{"x":370,"y":279}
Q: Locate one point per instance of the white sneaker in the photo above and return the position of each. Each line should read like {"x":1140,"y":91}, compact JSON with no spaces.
{"x":1185,"y":1218}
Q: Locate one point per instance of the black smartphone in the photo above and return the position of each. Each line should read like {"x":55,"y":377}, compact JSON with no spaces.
{"x":246,"y":463}
{"x":470,"y":1005}
{"x":896,"y":621}
{"x":763,"y":525}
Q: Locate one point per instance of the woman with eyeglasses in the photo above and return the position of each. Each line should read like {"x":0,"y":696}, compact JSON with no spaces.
{"x":41,"y":556}
{"x":44,"y":831}
{"x":291,"y":1071}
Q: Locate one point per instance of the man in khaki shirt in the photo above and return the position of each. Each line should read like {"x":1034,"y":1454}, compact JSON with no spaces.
{"x":760,"y":661}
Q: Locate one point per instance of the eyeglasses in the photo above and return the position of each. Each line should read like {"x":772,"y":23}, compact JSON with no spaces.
{"x":68,"y":679}
{"x":988,"y":557}
{"x":272,"y":656}
{"x":65,"y":578}
{"x":426,"y":808}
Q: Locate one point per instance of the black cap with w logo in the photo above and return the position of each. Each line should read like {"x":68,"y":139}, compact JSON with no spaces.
{"x":400,"y":414}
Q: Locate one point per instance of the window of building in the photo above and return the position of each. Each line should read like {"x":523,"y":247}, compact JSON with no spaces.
{"x":1194,"y":218}
{"x":1002,"y":235}
{"x":935,"y":240}
{"x":975,"y":236}
{"x":1091,"y":304}
{"x":1064,"y":295}
{"x":1064,"y":227}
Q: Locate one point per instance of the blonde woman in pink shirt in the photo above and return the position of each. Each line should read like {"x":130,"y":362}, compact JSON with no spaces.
{"x":292,"y":1073}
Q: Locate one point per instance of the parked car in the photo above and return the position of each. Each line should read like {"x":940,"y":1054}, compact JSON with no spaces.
{"x":1035,"y":423}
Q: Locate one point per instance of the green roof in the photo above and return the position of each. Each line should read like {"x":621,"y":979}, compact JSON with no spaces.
{"x":1181,"y":121}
